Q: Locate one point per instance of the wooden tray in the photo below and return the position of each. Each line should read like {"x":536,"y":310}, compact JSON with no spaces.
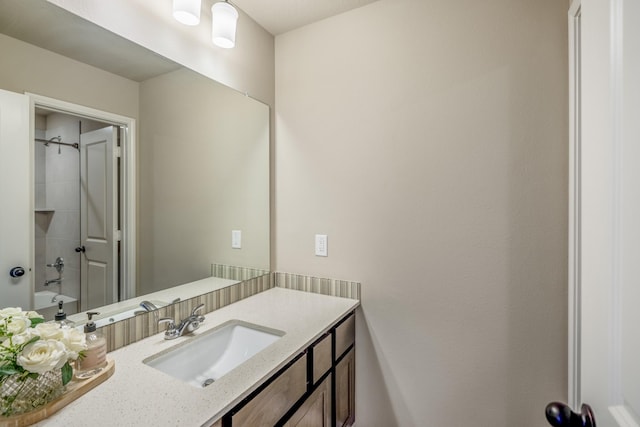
{"x":75,"y":389}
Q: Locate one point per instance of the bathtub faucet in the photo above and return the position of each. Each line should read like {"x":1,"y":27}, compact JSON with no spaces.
{"x":57,"y":281}
{"x":59,"y":266}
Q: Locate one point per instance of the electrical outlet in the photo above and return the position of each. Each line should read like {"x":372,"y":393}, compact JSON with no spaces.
{"x":322,"y":247}
{"x":236,"y":239}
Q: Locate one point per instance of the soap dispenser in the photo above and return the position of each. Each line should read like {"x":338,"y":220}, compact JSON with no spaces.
{"x":61,"y":318}
{"x":95,"y":356}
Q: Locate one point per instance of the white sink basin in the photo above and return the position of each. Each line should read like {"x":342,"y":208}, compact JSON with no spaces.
{"x":202,"y":360}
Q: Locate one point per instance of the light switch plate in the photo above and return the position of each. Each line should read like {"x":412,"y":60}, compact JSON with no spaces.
{"x":236,"y":239}
{"x":322,"y":247}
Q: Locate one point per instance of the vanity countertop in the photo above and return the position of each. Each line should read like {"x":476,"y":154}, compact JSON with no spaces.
{"x":138,"y":394}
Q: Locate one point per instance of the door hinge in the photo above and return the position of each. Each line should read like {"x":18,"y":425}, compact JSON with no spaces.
{"x":117,"y":235}
{"x":117,"y":152}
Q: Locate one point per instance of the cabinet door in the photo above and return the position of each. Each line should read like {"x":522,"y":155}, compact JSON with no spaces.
{"x":345,"y":390}
{"x":316,"y":410}
{"x":272,"y":403}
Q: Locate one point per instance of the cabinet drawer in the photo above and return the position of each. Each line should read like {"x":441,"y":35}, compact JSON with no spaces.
{"x":276,"y":399}
{"x":345,"y":335}
{"x":321,"y":358}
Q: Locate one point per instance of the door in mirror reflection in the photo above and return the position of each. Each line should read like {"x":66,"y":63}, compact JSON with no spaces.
{"x":98,"y":218}
{"x":14,"y":194}
{"x":76,"y":195}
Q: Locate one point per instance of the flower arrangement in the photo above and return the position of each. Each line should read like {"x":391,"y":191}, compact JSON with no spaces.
{"x":31,"y":350}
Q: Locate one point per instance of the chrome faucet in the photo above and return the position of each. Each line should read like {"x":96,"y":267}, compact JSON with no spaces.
{"x":148,"y":305}
{"x":57,"y":281}
{"x":58,"y":265}
{"x":186,"y":326}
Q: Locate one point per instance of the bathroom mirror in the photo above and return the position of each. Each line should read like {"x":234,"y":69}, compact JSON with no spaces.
{"x":202,"y":160}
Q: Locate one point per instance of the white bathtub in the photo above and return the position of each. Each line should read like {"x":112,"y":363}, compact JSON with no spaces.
{"x":44,"y":306}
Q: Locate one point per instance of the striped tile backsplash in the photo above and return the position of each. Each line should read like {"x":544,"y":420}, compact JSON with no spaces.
{"x":128,"y":331}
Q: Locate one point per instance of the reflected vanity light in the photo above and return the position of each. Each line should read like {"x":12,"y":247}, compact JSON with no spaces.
{"x":187,"y":12}
{"x":223,"y":25}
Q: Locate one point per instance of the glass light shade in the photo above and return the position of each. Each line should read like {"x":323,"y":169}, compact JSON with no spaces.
{"x":187,"y":11}
{"x":223,"y":25}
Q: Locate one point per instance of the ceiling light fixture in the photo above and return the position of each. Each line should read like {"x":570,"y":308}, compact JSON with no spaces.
{"x":223,"y":26}
{"x":187,"y":12}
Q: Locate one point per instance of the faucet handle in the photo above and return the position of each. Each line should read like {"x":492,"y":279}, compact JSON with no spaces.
{"x":58,"y":265}
{"x":171,"y":323}
{"x":171,"y":332}
{"x":197,"y":309}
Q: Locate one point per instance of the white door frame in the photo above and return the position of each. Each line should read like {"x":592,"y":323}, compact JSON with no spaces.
{"x":574,"y":203}
{"x":128,"y":195}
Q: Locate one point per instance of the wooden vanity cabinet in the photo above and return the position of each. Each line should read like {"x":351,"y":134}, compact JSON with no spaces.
{"x":316,"y":409}
{"x":316,"y":389}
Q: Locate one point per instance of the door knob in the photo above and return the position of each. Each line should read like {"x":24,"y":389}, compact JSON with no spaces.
{"x":560,"y":415}
{"x":80,"y":249}
{"x":16,"y":272}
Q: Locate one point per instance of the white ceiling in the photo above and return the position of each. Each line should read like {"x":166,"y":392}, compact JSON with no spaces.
{"x":280,"y":16}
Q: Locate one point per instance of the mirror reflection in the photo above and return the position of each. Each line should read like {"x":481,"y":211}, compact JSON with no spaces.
{"x":200,"y":181}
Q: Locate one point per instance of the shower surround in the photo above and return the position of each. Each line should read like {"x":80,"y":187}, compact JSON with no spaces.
{"x":57,"y":200}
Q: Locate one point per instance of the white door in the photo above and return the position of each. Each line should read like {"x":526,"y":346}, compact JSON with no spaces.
{"x":609,"y":210}
{"x":15,"y":199}
{"x":98,"y":223}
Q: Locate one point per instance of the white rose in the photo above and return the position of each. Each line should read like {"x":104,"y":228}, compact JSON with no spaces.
{"x":49,"y":331}
{"x":19,"y":339}
{"x":42,"y":356}
{"x":18,"y":324}
{"x":11,"y":311}
{"x":75,"y":341}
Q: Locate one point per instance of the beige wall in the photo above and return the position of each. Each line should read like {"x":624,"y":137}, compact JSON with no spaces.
{"x":205,"y":172}
{"x":27,"y":68}
{"x":428,"y":139}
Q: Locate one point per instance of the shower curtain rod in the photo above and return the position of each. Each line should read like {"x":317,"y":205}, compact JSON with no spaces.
{"x":59,"y":142}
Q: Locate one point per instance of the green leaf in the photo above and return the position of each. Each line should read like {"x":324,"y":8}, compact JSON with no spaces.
{"x":8,"y":370}
{"x":36,"y":320}
{"x":67,"y":373}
